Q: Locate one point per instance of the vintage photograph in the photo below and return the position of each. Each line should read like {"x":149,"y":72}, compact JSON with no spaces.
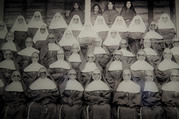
{"x":89,"y":59}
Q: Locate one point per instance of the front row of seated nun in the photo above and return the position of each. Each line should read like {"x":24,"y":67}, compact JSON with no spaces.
{"x":44,"y":99}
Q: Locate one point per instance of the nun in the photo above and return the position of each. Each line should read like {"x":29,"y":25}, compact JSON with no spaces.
{"x":112,"y":40}
{"x":2,"y":85}
{"x":151,"y":99}
{"x":170,"y":96}
{"x":3,"y":32}
{"x":35,"y":23}
{"x":175,"y":49}
{"x":31,"y":71}
{"x":136,"y":31}
{"x":166,"y":27}
{"x":43,"y":94}
{"x":72,"y":98}
{"x":114,"y":70}
{"x":14,"y":98}
{"x":20,"y":29}
{"x":7,"y":66}
{"x":58,"y":25}
{"x":156,"y":39}
{"x":151,"y":55}
{"x":101,"y":27}
{"x":127,"y":98}
{"x":97,"y":96}
{"x":121,"y":26}
{"x":165,"y":66}
{"x":75,"y":25}
{"x":59,"y":68}
{"x":24,"y":55}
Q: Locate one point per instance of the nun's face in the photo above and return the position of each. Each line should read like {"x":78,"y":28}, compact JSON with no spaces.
{"x":91,"y":58}
{"x":8,"y":55}
{"x":147,"y":44}
{"x":137,"y":21}
{"x":96,"y":9}
{"x":60,"y":56}
{"x":119,"y":21}
{"x":174,"y":77}
{"x":76,"y":6}
{"x":128,"y":4}
{"x":2,"y":27}
{"x":68,"y":34}
{"x":152,"y":26}
{"x":113,"y":34}
{"x":10,"y":37}
{"x":167,"y":55}
{"x":28,"y":42}
{"x":20,"y":20}
{"x":43,"y":75}
{"x":126,"y":75}
{"x":76,"y":20}
{"x":96,"y":76}
{"x":110,"y":6}
{"x":58,"y":17}
{"x":35,"y":57}
{"x":37,"y":17}
{"x":123,"y":45}
{"x":42,"y":30}
{"x":15,"y":76}
{"x":164,"y":19}
{"x":141,"y":56}
{"x":72,"y":75}
{"x":117,"y":57}
{"x":149,"y":77}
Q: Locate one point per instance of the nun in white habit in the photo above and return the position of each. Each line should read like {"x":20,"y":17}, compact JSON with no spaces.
{"x":14,"y":98}
{"x":175,"y":49}
{"x":35,"y":23}
{"x":75,"y":25}
{"x":97,"y":97}
{"x":58,"y":25}
{"x":72,"y":98}
{"x":20,"y":29}
{"x":59,"y":68}
{"x":121,"y":26}
{"x":166,"y":27}
{"x":170,"y":96}
{"x":151,"y":55}
{"x":156,"y":39}
{"x":112,"y":40}
{"x":127,"y":98}
{"x":101,"y":27}
{"x":136,"y":31}
{"x":151,"y":99}
{"x":165,"y":66}
{"x":3,"y":32}
{"x":43,"y":93}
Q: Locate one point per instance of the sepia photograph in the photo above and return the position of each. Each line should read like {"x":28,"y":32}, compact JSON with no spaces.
{"x":89,"y":59}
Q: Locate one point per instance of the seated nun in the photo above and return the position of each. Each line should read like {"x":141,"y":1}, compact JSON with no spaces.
{"x":101,"y":53}
{"x":170,"y":96}
{"x":7,"y":65}
{"x":165,"y":66}
{"x":3,"y":32}
{"x":71,"y":104}
{"x":141,"y":65}
{"x":166,"y":27}
{"x":151,"y":99}
{"x":127,"y":98}
{"x":114,"y":70}
{"x":43,"y":94}
{"x":156,"y":39}
{"x":175,"y":49}
{"x":136,"y":31}
{"x":127,"y":56}
{"x":151,"y":55}
{"x":20,"y":29}
{"x":25,"y":54}
{"x":101,"y":27}
{"x":35,"y":23}
{"x":31,"y":71}
{"x":87,"y":67}
{"x":14,"y":98}
{"x":76,"y":57}
{"x":97,"y":97}
{"x":58,"y":25}
{"x":75,"y":25}
{"x":112,"y":40}
{"x":121,"y":26}
{"x":59,"y":68}
{"x":9,"y":44}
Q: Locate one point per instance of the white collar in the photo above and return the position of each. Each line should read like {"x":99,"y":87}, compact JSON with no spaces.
{"x":150,"y":86}
{"x":74,"y":57}
{"x":115,"y":66}
{"x":175,"y":50}
{"x":109,"y":41}
{"x":152,"y":35}
{"x":99,"y":50}
{"x":141,"y":65}
{"x":53,"y":47}
{"x":74,"y":85}
{"x":60,"y":64}
{"x":97,"y":85}
{"x":7,"y":64}
{"x":33,"y":67}
{"x":9,"y":45}
{"x":167,"y":64}
{"x":14,"y":86}
{"x":89,"y":67}
{"x":120,"y":27}
{"x":126,"y":53}
{"x":150,"y":51}
{"x":171,"y":86}
{"x":27,"y":51}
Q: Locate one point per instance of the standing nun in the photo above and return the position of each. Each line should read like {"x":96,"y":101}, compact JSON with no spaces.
{"x":101,"y":27}
{"x":15,"y":99}
{"x":58,"y":25}
{"x":35,"y":23}
{"x":151,"y":99}
{"x":43,"y":94}
{"x":175,"y":49}
{"x":136,"y":30}
{"x":20,"y":29}
{"x":121,"y":26}
{"x":97,"y":97}
{"x":156,"y":38}
{"x":127,"y":98}
{"x":170,"y":96}
{"x":71,"y":104}
{"x":3,"y":32}
{"x":165,"y":66}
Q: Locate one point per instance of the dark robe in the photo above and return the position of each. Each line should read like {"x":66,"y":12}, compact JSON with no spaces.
{"x":127,"y":14}
{"x":19,"y":38}
{"x":110,"y":16}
